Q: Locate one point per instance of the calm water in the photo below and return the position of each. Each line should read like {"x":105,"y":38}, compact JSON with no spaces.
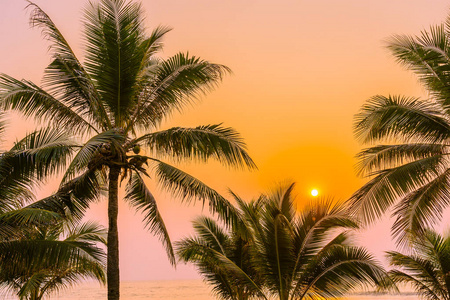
{"x":168,"y":290}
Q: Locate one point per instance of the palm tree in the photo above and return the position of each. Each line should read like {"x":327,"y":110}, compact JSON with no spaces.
{"x":30,"y":161}
{"x":28,"y":265}
{"x":222,"y":257}
{"x":291,"y":255}
{"x":427,"y":270}
{"x":117,"y":100}
{"x":33,"y":258}
{"x":409,"y":164}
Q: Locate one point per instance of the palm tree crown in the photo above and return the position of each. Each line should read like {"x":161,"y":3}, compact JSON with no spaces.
{"x":410,"y":167}
{"x":116,"y":101}
{"x":40,"y":258}
{"x":427,"y":269}
{"x":277,"y":252}
{"x":42,"y":247}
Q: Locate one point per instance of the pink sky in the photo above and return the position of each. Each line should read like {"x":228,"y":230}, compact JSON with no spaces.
{"x":302,"y":69}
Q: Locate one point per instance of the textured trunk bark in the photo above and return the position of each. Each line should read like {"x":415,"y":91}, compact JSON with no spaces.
{"x":112,"y":271}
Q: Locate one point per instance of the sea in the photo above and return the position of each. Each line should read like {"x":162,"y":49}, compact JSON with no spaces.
{"x":173,"y":290}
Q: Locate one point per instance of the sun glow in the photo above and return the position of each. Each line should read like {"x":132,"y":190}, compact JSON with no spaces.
{"x":314,"y":193}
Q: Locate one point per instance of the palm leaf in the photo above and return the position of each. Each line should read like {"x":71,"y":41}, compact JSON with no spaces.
{"x":210,"y":232}
{"x":73,"y":198}
{"x":399,"y":117}
{"x":35,"y":157}
{"x":188,"y":187}
{"x":113,"y":37}
{"x":43,"y":152}
{"x":202,"y":142}
{"x":89,"y":232}
{"x":420,"y":286}
{"x":150,"y":47}
{"x":67,"y":74}
{"x":89,"y":153}
{"x":274,"y":257}
{"x":37,"y":263}
{"x":421,"y":208}
{"x":141,"y":198}
{"x":315,"y":225}
{"x":422,"y":273}
{"x":19,"y":258}
{"x":428,"y":56}
{"x":27,"y":216}
{"x":389,"y":156}
{"x":215,"y":264}
{"x":376,"y":196}
{"x":339,"y":269}
{"x":178,"y":80}
{"x":31,"y":100}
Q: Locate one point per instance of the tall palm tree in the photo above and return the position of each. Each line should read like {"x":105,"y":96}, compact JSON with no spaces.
{"x":290,"y":255}
{"x":117,"y":100}
{"x":409,"y":164}
{"x":427,"y":269}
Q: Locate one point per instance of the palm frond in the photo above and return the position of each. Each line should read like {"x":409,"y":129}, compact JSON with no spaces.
{"x":89,"y":232}
{"x":339,"y":269}
{"x":113,"y":37}
{"x":74,"y":197}
{"x":190,"y":188}
{"x":247,"y":215}
{"x":64,"y":280}
{"x":211,"y":233}
{"x":421,"y":208}
{"x":418,"y":271}
{"x":3,"y":123}
{"x":31,"y":286}
{"x":150,"y":47}
{"x":218,"y":269}
{"x":34,"y":158}
{"x":141,"y":198}
{"x":90,"y":153}
{"x":31,"y":100}
{"x":281,"y":200}
{"x":39,"y":262}
{"x":400,"y":117}
{"x":401,"y":277}
{"x":24,"y":257}
{"x":376,"y":196}
{"x":389,"y":156}
{"x":274,"y":255}
{"x":427,"y":56}
{"x":177,"y":82}
{"x":200,"y":143}
{"x":26,"y":216}
{"x":316,"y":223}
{"x":43,"y":152}
{"x":65,"y":76}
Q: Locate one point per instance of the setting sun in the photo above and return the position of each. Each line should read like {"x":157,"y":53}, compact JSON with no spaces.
{"x":314,"y":192}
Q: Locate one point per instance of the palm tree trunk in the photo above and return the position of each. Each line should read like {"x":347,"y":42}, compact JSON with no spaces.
{"x":112,"y":271}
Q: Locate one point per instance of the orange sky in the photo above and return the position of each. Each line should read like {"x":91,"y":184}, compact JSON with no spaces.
{"x":302,"y":69}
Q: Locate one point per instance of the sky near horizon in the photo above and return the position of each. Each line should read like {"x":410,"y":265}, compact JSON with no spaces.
{"x":301,"y":70}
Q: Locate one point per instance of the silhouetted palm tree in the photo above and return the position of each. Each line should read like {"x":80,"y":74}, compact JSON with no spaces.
{"x":409,"y":166}
{"x":118,"y":98}
{"x":38,"y":259}
{"x":33,"y":258}
{"x":427,"y":269}
{"x":220,"y":254}
{"x":291,"y":255}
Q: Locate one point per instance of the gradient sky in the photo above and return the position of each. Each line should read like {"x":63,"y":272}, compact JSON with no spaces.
{"x":301,"y":70}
